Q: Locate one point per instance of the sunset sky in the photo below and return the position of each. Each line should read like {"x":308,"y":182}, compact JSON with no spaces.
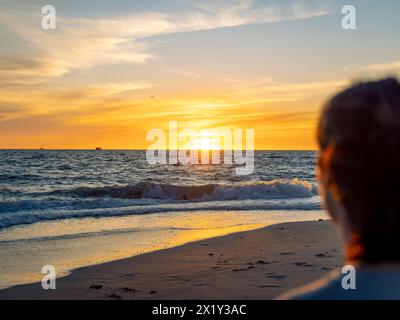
{"x":112,"y":70}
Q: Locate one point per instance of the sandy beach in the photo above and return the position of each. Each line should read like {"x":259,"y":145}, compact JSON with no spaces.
{"x":258,"y":264}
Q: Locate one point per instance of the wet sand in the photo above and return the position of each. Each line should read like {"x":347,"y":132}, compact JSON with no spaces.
{"x":257,"y":264}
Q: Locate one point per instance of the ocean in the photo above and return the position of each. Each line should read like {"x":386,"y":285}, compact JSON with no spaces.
{"x":56,"y":206}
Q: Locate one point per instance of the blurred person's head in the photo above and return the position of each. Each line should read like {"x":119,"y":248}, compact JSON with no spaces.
{"x":359,"y":168}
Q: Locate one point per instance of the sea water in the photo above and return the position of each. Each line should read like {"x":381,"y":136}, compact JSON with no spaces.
{"x":72,"y":208}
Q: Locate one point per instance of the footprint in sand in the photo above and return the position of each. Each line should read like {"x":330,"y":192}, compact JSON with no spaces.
{"x":243,"y":269}
{"x":326,"y":268}
{"x":269,"y":286}
{"x":132,"y":274}
{"x":171,"y":278}
{"x":127,"y":289}
{"x":322,"y":255}
{"x":237,"y":270}
{"x":96,"y":286}
{"x":287,"y":253}
{"x":278,"y":276}
{"x":303,"y":264}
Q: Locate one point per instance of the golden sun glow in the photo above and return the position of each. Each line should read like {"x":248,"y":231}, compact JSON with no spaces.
{"x":205,"y":141}
{"x":108,"y":78}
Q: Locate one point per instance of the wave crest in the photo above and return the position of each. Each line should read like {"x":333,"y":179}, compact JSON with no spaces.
{"x":274,"y":189}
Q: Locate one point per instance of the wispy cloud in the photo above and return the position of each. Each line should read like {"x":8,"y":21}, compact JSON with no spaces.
{"x":377,"y":69}
{"x":82,"y":43}
{"x":53,"y":86}
{"x":43,"y":100}
{"x":265,"y":89}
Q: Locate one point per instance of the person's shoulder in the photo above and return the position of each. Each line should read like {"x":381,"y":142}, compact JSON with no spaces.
{"x":327,"y":288}
{"x":371,"y":284}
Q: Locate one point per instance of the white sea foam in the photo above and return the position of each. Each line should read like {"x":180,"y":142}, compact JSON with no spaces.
{"x":275,"y":189}
{"x":147,"y":198}
{"x":48,"y":185}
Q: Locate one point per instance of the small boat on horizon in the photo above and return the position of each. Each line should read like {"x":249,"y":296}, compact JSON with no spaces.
{"x":99,"y":148}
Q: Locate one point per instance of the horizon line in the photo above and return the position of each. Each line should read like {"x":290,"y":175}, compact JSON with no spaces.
{"x":134,"y":149}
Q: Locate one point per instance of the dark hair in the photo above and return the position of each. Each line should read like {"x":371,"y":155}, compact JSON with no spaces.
{"x":359,"y":137}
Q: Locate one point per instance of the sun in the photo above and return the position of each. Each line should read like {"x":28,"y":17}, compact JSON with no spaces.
{"x":205,"y":141}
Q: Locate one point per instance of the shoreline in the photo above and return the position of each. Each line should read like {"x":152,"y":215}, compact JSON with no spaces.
{"x":75,"y":243}
{"x":255,"y":264}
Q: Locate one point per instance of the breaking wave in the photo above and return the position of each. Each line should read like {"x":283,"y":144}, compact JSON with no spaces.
{"x":275,"y":189}
{"x":148,"y":198}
